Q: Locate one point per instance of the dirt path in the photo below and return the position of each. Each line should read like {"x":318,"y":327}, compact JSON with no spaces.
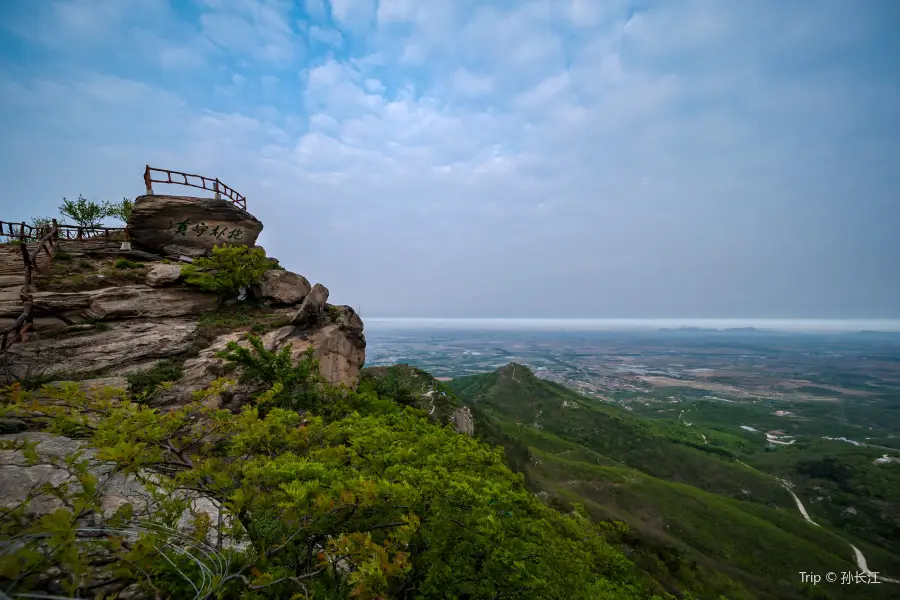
{"x":857,"y":554}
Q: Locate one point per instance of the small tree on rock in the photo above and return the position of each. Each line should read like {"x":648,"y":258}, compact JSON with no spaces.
{"x":87,"y":213}
{"x":120,"y":210}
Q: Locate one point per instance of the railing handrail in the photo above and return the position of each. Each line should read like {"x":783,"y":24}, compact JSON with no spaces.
{"x":218,"y":187}
{"x":32,"y":234}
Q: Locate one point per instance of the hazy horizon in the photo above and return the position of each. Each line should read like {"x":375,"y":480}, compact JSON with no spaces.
{"x":626,"y":324}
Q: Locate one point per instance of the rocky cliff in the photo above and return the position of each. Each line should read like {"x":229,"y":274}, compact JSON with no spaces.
{"x":105,"y":311}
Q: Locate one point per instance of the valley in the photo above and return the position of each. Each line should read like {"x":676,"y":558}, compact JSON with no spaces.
{"x":705,"y":442}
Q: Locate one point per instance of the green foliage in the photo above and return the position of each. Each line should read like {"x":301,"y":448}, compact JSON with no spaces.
{"x":61,"y":254}
{"x":374,"y":504}
{"x":120,"y":210}
{"x":124,"y":263}
{"x":41,"y":222}
{"x":86,"y":213}
{"x":142,"y":384}
{"x":228,"y":270}
{"x":693,"y":527}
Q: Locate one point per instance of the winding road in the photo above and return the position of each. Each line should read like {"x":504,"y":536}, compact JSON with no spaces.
{"x":858,"y":555}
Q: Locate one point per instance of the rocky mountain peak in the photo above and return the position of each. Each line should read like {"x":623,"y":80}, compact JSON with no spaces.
{"x":102,"y":311}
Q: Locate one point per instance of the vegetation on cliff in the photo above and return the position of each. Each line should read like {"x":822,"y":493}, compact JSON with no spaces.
{"x":318,"y":492}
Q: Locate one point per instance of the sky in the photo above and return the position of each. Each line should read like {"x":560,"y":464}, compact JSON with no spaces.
{"x":522,"y":159}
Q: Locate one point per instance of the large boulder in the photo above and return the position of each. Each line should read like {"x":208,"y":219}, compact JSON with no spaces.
{"x":282,"y":287}
{"x":312,"y":306}
{"x":161,"y":274}
{"x":181,"y":225}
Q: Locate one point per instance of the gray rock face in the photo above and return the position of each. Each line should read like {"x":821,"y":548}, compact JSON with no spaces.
{"x":20,"y":479}
{"x":282,"y":287}
{"x":463,"y":422}
{"x":347,"y":319}
{"x":176,"y":225}
{"x":340,"y":357}
{"x":312,"y":305}
{"x":127,"y":302}
{"x":161,"y":274}
{"x":121,"y":348}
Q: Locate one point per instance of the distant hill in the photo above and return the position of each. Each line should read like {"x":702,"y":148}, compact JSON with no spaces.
{"x":701,"y":519}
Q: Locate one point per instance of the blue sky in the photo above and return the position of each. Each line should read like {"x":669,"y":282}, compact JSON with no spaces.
{"x":571,"y":158}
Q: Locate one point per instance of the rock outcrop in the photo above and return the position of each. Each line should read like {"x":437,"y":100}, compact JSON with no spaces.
{"x":116,"y":348}
{"x":161,"y":274}
{"x":141,"y":316}
{"x":125,"y":302}
{"x":179,"y":225}
{"x":312,"y":305}
{"x":463,"y":421}
{"x":21,"y":478}
{"x":282,"y":287}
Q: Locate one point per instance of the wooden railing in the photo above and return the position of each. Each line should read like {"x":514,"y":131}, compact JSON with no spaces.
{"x":19,"y":231}
{"x":19,"y":329}
{"x":197,"y":181}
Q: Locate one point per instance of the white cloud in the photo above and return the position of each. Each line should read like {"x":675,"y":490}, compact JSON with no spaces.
{"x":256,"y":29}
{"x":451,"y":133}
{"x":397,"y":10}
{"x":355,"y":15}
{"x":332,"y":37}
{"x":471,"y":85}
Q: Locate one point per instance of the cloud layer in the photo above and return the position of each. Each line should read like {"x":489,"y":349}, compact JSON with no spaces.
{"x":570,"y":158}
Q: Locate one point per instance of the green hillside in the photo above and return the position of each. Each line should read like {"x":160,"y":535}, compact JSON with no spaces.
{"x":701,"y":520}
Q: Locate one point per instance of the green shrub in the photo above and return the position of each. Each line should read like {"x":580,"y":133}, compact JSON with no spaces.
{"x":124,"y":263}
{"x":228,"y":270}
{"x":144,"y":383}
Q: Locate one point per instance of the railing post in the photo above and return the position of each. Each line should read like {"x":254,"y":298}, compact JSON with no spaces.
{"x":22,"y":232}
{"x":147,"y":182}
{"x":216,"y":188}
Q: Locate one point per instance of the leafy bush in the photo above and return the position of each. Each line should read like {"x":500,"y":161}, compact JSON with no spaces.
{"x":377,"y":504}
{"x":229,"y":269}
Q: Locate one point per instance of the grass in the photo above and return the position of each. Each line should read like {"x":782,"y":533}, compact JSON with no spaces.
{"x":62,"y":255}
{"x":88,"y":274}
{"x":662,"y":449}
{"x":124,"y":263}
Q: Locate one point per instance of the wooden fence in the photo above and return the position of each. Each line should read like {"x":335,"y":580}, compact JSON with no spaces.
{"x":48,"y":243}
{"x":18,"y":231}
{"x":196,"y":181}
